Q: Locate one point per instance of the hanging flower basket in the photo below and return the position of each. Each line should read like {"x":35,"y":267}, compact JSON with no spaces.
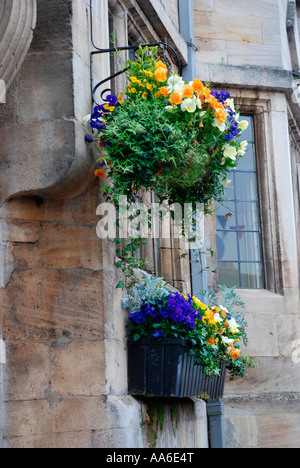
{"x":176,"y":138}
{"x":167,"y":369}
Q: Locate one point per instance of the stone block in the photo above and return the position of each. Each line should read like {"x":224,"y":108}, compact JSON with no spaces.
{"x":70,"y":247}
{"x":210,"y":51}
{"x":230,"y":28}
{"x":19,"y":231}
{"x":65,"y":440}
{"x":262,"y":421}
{"x":28,"y":418}
{"x":27,"y":371}
{"x":26,"y":257}
{"x":260,"y":55}
{"x":53,"y":30}
{"x":78,"y":368}
{"x":45,"y":87}
{"x":271,"y":375}
{"x":263,"y":335}
{"x":53,"y":304}
{"x":74,"y":414}
{"x":204,"y":5}
{"x":255,"y":8}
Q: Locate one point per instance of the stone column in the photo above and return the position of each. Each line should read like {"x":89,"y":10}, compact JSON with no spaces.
{"x":17,"y":22}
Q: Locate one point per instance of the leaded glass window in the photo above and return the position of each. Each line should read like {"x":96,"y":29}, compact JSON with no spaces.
{"x":238,"y":224}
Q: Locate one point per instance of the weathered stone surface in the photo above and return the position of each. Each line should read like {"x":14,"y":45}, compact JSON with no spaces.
{"x":47,"y":311}
{"x":78,"y":368}
{"x":70,"y":247}
{"x":264,"y":421}
{"x":28,"y":378}
{"x":74,"y":414}
{"x":65,"y":440}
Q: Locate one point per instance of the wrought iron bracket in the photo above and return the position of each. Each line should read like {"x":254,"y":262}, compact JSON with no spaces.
{"x":164,"y":45}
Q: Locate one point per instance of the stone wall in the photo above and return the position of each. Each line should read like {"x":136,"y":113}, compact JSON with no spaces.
{"x":64,"y":383}
{"x":242,"y":33}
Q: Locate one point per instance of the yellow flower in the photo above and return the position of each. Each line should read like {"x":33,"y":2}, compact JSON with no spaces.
{"x":148,"y":73}
{"x":199,"y":303}
{"x":134,"y":79}
{"x":120,"y":99}
{"x":144,"y":95}
{"x":149,"y":86}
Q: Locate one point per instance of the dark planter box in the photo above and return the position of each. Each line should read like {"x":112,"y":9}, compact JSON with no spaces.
{"x":167,"y":369}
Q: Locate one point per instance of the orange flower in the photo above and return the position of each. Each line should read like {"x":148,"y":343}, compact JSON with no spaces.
{"x":188,"y":91}
{"x":222,"y":116}
{"x":175,"y":99}
{"x":198,"y":85}
{"x":207,"y":95}
{"x":211,"y":341}
{"x":235,"y":353}
{"x":161,"y":64}
{"x":164,"y":91}
{"x":100,"y":173}
{"x":161,"y":74}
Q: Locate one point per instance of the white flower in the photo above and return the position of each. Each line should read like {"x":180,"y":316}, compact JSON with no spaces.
{"x":188,"y":105}
{"x":217,"y":318}
{"x":230,"y":103}
{"x":233,"y":326}
{"x":176,"y":84}
{"x":198,"y":102}
{"x":175,"y":80}
{"x":243,"y":145}
{"x":227,"y":340}
{"x":243,"y":125}
{"x":230,"y":152}
{"x":221,"y":125}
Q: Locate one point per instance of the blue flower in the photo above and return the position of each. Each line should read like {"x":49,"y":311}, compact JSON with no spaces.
{"x":221,"y":96}
{"x":97,"y":124}
{"x":137,"y":317}
{"x":88,"y":139}
{"x":113,"y":100}
{"x":158,"y":334}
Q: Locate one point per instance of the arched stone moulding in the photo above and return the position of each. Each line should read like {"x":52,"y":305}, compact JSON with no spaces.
{"x":17,"y":22}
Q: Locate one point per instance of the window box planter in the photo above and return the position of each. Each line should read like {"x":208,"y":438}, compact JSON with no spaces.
{"x":167,"y":369}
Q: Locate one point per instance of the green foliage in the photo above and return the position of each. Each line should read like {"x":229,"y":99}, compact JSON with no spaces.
{"x":176,"y":152}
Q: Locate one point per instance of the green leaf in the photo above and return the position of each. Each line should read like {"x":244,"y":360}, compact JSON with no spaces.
{"x":120,"y":285}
